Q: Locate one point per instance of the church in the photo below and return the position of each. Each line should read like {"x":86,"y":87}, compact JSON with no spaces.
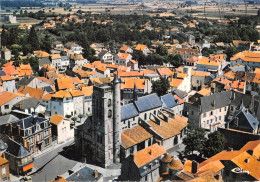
{"x":115,"y":131}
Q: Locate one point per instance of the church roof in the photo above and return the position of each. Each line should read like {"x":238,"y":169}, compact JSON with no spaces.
{"x":128,"y":111}
{"x":148,"y":102}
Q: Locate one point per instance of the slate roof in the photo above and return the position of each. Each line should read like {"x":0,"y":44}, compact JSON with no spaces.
{"x":48,"y":89}
{"x":14,"y":148}
{"x":2,"y":73}
{"x":180,"y":93}
{"x":128,"y":111}
{"x":246,"y":117}
{"x":84,"y":174}
{"x":9,"y":118}
{"x":44,"y":61}
{"x":148,"y":102}
{"x":25,"y":81}
{"x":28,"y":103}
{"x":102,"y":53}
{"x":212,"y":102}
{"x":169,"y":101}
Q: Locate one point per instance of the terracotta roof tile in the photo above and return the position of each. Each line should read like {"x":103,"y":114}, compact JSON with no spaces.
{"x":140,"y":47}
{"x":134,"y":136}
{"x":130,"y":82}
{"x":164,"y":71}
{"x":33,"y":92}
{"x":148,"y":154}
{"x":56,"y":119}
{"x":87,"y":91}
{"x":7,"y":96}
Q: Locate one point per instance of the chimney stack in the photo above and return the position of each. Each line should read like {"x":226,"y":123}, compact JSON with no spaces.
{"x":194,"y":167}
{"x":95,"y":174}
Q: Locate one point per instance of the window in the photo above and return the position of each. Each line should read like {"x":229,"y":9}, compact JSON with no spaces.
{"x":232,"y":108}
{"x":207,"y":121}
{"x":6,"y":106}
{"x":216,"y":118}
{"x":145,"y":116}
{"x":109,"y":113}
{"x":109,"y":103}
{"x":220,"y":110}
{"x":211,"y":113}
{"x":29,"y":131}
{"x":225,"y":108}
{"x":3,"y":171}
{"x":204,"y":115}
{"x":219,"y":118}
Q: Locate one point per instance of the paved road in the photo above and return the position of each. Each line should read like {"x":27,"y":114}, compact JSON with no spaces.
{"x":52,"y":163}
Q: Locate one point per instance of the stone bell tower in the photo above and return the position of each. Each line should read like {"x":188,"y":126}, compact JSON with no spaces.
{"x":116,"y":118}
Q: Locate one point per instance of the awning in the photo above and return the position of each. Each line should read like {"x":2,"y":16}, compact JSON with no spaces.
{"x":29,"y":166}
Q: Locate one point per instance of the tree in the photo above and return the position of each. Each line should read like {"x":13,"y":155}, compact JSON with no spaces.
{"x":161,"y":86}
{"x":175,"y":60}
{"x":162,"y":50}
{"x":74,"y":119}
{"x":194,"y":140}
{"x":206,"y":52}
{"x":214,"y":144}
{"x":46,"y":43}
{"x":34,"y":63}
{"x":80,"y":116}
{"x":33,"y":39}
{"x":4,"y":37}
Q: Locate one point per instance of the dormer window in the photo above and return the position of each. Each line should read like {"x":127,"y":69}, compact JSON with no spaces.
{"x":29,"y":131}
{"x":38,"y":127}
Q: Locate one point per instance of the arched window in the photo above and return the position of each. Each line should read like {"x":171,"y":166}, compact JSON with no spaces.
{"x":145,"y":116}
{"x":109,"y":113}
{"x":109,"y":102}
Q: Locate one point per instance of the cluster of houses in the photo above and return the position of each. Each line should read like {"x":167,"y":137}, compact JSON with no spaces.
{"x":108,"y":107}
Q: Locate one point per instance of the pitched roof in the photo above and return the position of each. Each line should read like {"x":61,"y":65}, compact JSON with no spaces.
{"x":128,"y":111}
{"x":164,"y":71}
{"x":65,"y":83}
{"x":248,"y":56}
{"x":148,"y":154}
{"x":33,"y":92}
{"x":169,"y":101}
{"x":140,"y":47}
{"x":215,"y":101}
{"x":7,"y":96}
{"x":123,"y":55}
{"x":56,"y":119}
{"x":28,"y":103}
{"x":209,"y":62}
{"x":62,"y":94}
{"x":44,"y":61}
{"x":87,"y":91}
{"x":134,"y":136}
{"x":169,"y":129}
{"x":175,"y":82}
{"x":130,"y":82}
{"x":7,"y":78}
{"x":148,"y":102}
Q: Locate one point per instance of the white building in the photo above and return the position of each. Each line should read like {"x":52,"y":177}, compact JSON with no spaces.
{"x":61,"y":128}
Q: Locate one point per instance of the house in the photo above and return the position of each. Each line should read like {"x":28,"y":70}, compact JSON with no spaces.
{"x":209,"y":112}
{"x":85,"y":173}
{"x":143,"y":48}
{"x":74,"y":48}
{"x":133,"y":140}
{"x":31,"y":92}
{"x":249,"y":58}
{"x":243,"y":120}
{"x":87,"y":92}
{"x":133,"y":64}
{"x":239,"y":165}
{"x":79,"y":59}
{"x":58,"y":45}
{"x":8,"y":83}
{"x":164,"y":72}
{"x":30,"y":106}
{"x":123,"y":58}
{"x":166,"y":127}
{"x":126,"y":49}
{"x":173,"y":103}
{"x":4,"y":165}
{"x":61,"y":128}
{"x":210,"y":64}
{"x":143,"y":165}
{"x":185,"y":53}
{"x":44,"y":61}
{"x":6,"y":54}
{"x":132,"y":86}
{"x":106,"y":57}
{"x":33,"y":131}
{"x":20,"y":158}
{"x":204,"y":44}
{"x":198,"y":79}
{"x":8,"y":100}
{"x":97,"y":47}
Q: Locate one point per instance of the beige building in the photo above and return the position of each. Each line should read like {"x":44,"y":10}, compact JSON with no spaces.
{"x":61,"y":128}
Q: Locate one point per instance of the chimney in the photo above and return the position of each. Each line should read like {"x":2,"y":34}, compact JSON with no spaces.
{"x":194,"y":167}
{"x":95,"y":174}
{"x":10,"y":128}
{"x":230,"y":149}
{"x":150,"y":152}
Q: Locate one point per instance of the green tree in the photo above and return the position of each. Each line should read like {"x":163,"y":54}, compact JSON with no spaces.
{"x":74,"y":119}
{"x":214,"y":144}
{"x":162,"y":50}
{"x":175,"y":60}
{"x":34,"y":63}
{"x":161,"y":86}
{"x":80,"y":116}
{"x":33,"y":39}
{"x":46,"y":43}
{"x":194,"y":140}
{"x":16,"y":53}
{"x":206,"y":52}
{"x":4,"y":37}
